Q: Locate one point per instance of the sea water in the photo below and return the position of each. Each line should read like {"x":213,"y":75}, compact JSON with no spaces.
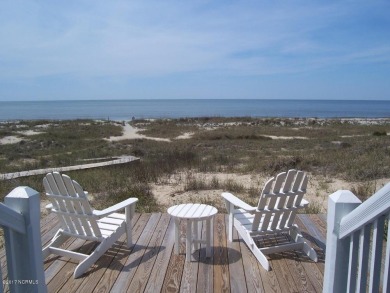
{"x":159,"y":108}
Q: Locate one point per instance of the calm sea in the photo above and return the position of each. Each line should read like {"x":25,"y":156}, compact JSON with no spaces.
{"x":126,"y":109}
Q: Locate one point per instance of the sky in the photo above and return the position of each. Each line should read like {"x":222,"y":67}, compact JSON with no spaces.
{"x":175,"y":49}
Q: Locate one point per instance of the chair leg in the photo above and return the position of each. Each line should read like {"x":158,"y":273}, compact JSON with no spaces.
{"x":310,"y":252}
{"x":90,"y":260}
{"x":260,"y":256}
{"x":58,"y":239}
{"x":129,"y":212}
{"x":296,"y":234}
{"x":97,"y":253}
{"x":230,"y":209}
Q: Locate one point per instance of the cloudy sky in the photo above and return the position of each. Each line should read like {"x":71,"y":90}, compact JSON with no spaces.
{"x":58,"y":50}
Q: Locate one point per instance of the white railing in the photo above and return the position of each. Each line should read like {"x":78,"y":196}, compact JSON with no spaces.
{"x":354,"y":244}
{"x":20,"y":220}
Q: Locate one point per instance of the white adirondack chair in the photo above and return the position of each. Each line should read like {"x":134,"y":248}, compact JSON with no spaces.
{"x":279,"y":201}
{"x":78,"y":219}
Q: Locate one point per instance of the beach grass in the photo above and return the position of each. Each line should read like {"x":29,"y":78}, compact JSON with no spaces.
{"x":346,"y":149}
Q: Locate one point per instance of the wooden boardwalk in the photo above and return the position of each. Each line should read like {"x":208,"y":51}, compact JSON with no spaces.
{"x":120,"y":160}
{"x":151,"y":265}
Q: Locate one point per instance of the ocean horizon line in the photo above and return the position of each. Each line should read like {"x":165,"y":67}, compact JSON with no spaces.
{"x":190,"y":108}
{"x":193,"y":99}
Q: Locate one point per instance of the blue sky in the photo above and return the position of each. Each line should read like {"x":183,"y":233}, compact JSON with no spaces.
{"x":58,"y":50}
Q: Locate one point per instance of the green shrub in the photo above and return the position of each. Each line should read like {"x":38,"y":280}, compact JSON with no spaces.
{"x":380,"y":133}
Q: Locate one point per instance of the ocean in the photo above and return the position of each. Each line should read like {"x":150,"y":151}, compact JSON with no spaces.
{"x":127,"y":109}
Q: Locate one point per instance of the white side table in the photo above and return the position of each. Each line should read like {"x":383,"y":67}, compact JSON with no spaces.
{"x":193,"y":214}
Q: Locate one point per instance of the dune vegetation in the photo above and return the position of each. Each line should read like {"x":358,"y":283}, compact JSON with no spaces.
{"x":354,"y":150}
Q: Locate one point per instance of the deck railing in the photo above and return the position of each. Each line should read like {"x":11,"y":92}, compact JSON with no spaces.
{"x":354,"y":245}
{"x":20,"y":220}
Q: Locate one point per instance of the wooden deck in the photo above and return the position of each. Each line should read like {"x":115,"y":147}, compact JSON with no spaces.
{"x":151,"y":265}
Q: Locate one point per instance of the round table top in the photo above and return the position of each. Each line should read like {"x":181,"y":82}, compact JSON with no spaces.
{"x":192,"y":211}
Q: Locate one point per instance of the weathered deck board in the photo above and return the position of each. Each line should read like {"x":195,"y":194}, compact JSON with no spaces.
{"x":109,"y":278}
{"x":270,"y":281}
{"x":142,"y":274}
{"x":205,"y":273}
{"x":151,"y":265}
{"x":236,"y":271}
{"x":128,"y":271}
{"x":190,"y":271}
{"x":221,"y":267}
{"x":157,"y":275}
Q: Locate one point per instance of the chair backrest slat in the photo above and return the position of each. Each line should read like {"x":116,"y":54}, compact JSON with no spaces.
{"x":298,"y":180}
{"x":77,"y":204}
{"x":292,"y":196}
{"x":273,"y":202}
{"x":66,"y":190}
{"x":67,"y":197}
{"x":301,"y":190}
{"x":264,"y":193}
{"x":286,"y":188}
{"x":299,"y":196}
{"x":60,"y":203}
{"x":87,"y":210}
{"x":280,"y":198}
{"x":262,"y":221}
{"x":290,"y":179}
{"x":49,"y":190}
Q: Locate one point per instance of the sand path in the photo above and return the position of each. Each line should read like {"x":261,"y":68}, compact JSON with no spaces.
{"x":11,"y":139}
{"x":130,"y":132}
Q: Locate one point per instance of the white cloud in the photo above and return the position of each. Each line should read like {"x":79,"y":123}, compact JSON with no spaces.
{"x":155,"y":38}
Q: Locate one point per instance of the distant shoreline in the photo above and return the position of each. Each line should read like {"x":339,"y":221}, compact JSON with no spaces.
{"x":131,"y":132}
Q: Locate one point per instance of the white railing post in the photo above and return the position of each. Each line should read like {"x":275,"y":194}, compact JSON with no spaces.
{"x":24,"y":251}
{"x":1,"y":278}
{"x":340,"y":204}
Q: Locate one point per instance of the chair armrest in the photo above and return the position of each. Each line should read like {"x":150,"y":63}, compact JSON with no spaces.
{"x":115,"y":208}
{"x":234,"y":200}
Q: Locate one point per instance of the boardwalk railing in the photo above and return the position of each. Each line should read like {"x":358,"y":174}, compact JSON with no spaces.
{"x":354,"y":245}
{"x":119,"y":160}
{"x":20,"y":220}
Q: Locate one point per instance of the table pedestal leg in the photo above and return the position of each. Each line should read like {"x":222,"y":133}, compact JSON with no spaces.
{"x":195,"y":228}
{"x":189,"y":240}
{"x":177,"y":236}
{"x":208,"y":237}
